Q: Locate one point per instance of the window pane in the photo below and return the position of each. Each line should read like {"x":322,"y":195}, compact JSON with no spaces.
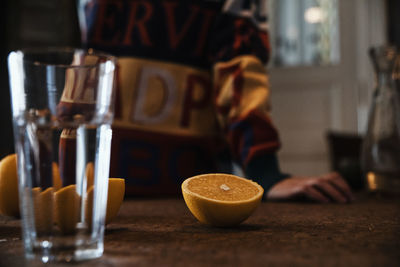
{"x":304,"y":32}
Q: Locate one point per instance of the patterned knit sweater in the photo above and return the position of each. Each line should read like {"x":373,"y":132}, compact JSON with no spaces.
{"x":192,"y":90}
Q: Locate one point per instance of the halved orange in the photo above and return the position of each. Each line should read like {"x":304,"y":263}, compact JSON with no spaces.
{"x":115,"y":197}
{"x":89,"y":175}
{"x":57,"y":182}
{"x":43,"y":202}
{"x":221,"y":200}
{"x":67,"y":209}
{"x":9,"y":195}
{"x":9,"y":202}
{"x":116,"y":192}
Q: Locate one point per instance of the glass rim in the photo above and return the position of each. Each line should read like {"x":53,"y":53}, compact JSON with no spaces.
{"x":90,"y":51}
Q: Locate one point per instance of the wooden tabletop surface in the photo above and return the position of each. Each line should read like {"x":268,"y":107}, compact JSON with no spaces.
{"x":162,"y":232}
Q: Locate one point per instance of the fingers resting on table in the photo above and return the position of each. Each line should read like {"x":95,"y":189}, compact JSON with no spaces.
{"x":325,"y":188}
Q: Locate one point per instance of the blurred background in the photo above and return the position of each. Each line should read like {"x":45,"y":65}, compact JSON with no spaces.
{"x":321,"y":76}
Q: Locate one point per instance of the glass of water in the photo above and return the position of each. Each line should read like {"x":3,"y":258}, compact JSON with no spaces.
{"x":62,"y":108}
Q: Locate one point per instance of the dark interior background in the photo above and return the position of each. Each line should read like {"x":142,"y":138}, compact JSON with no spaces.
{"x":393,"y":8}
{"x":27,"y":23}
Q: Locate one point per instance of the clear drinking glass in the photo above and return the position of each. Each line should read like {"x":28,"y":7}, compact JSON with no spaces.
{"x":62,"y":111}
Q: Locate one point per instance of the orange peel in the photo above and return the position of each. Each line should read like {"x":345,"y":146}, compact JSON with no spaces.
{"x":115,"y":197}
{"x":67,"y":209}
{"x":9,"y":202}
{"x":43,"y":202}
{"x":57,"y":182}
{"x":89,"y":175}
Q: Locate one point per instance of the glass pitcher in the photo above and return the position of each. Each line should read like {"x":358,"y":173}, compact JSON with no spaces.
{"x":381,"y":145}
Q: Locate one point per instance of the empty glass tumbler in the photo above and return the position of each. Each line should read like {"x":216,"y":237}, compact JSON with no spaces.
{"x":62,"y":108}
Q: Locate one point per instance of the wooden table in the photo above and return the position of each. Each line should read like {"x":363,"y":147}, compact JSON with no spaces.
{"x":162,"y":232}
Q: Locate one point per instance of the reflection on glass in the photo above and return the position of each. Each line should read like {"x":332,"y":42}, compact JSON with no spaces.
{"x":305,"y":32}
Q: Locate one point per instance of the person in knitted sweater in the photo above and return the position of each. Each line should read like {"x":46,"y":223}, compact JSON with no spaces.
{"x":193,"y":95}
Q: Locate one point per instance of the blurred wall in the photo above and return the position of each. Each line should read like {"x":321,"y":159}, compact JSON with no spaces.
{"x":27,"y":23}
{"x":393,"y":11}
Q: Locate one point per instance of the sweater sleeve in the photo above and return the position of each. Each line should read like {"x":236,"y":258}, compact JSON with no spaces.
{"x":240,"y":51}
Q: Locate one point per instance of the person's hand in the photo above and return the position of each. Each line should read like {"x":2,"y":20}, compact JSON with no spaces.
{"x":326,"y":188}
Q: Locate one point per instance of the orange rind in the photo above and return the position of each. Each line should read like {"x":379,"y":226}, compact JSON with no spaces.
{"x":56,"y":204}
{"x":9,"y":202}
{"x":67,"y":209}
{"x":89,"y":175}
{"x":43,"y":202}
{"x":57,"y":182}
{"x":116,"y":192}
{"x":115,"y":197}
